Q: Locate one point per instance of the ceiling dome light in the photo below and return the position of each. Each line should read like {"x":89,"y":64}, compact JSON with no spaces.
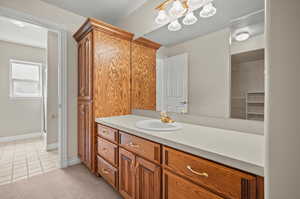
{"x":195,"y":3}
{"x":189,"y":19}
{"x":177,"y":9}
{"x":174,"y":26}
{"x":162,"y":18}
{"x":242,"y":36}
{"x":208,"y":10}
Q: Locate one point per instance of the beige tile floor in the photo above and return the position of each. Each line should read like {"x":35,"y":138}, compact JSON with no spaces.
{"x":25,"y":158}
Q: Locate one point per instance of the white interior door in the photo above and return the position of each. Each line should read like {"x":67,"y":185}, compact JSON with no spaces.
{"x":175,"y":84}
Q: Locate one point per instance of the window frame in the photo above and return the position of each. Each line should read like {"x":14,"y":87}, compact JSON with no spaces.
{"x":12,"y":80}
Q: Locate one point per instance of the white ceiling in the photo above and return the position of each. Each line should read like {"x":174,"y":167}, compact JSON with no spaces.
{"x":28,"y":35}
{"x":226,"y":12}
{"x":109,"y":11}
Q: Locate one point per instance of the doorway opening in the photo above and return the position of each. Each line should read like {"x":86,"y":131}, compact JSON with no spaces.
{"x":32,"y":134}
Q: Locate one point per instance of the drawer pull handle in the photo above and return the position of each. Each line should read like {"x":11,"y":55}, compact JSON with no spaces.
{"x":105,"y":132}
{"x":131,"y":144}
{"x":105,"y":171}
{"x":104,"y":149}
{"x":197,"y":173}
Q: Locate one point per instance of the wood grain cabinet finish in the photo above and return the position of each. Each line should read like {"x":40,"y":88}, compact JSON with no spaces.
{"x":111,"y":75}
{"x":143,"y":72}
{"x":108,"y":151}
{"x":108,"y":172}
{"x":103,"y":81}
{"x":85,"y":68}
{"x":225,"y":181}
{"x":85,"y":129}
{"x":108,"y":133}
{"x":126,"y":174}
{"x":148,"y":179}
{"x":176,"y":187}
{"x":144,"y":148}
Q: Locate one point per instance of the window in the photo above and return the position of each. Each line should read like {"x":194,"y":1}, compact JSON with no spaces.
{"x":25,"y":79}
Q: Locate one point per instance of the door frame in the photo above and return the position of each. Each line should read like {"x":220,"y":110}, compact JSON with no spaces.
{"x":62,"y":68}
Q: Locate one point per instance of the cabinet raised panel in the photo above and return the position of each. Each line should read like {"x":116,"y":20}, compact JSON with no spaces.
{"x":126,"y":174}
{"x":85,"y":126}
{"x":85,"y":67}
{"x":148,"y":180}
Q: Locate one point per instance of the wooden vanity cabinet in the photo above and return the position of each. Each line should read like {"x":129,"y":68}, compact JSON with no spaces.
{"x":103,"y":81}
{"x":139,"y":178}
{"x":149,"y":170}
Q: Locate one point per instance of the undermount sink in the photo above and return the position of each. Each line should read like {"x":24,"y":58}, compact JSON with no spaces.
{"x":157,"y":125}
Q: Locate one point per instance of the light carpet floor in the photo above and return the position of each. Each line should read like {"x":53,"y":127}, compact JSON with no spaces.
{"x":74,"y":182}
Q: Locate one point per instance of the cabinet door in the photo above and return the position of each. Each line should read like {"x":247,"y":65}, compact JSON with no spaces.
{"x":85,"y":132}
{"x":148,"y":180}
{"x":81,"y":132}
{"x":112,"y":75}
{"x":85,"y":67}
{"x":126,"y":174}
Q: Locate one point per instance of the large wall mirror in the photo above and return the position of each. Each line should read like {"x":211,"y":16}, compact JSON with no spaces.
{"x":214,"y":67}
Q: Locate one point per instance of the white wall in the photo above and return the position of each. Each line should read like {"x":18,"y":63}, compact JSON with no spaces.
{"x":52,"y":91}
{"x":18,"y":117}
{"x":71,"y":22}
{"x":283,"y":97}
{"x":209,"y":73}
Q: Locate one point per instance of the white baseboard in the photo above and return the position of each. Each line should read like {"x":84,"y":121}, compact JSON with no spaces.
{"x":20,"y":137}
{"x":74,"y":161}
{"x":52,"y":146}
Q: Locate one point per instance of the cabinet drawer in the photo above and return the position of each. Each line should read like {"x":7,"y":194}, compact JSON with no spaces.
{"x":108,"y":151}
{"x":140,"y":146}
{"x":175,"y":187}
{"x":108,"y":172}
{"x":225,"y":181}
{"x":108,"y":133}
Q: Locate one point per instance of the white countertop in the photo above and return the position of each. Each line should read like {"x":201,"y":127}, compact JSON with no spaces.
{"x":236,"y":149}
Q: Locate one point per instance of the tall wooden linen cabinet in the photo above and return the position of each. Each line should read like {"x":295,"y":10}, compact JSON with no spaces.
{"x":111,"y":79}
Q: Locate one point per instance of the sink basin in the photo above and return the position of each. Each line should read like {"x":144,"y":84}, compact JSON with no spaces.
{"x":157,"y":125}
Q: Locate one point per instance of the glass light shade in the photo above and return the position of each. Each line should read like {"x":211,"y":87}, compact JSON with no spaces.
{"x":242,"y":36}
{"x":177,"y":9}
{"x":195,"y":3}
{"x":189,"y":19}
{"x":162,"y":17}
{"x":174,"y":26}
{"x":208,"y":10}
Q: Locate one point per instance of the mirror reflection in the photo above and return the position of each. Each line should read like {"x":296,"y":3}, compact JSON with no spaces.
{"x":214,"y":66}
